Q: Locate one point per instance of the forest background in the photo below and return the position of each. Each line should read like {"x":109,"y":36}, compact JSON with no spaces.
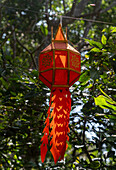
{"x":25,"y":29}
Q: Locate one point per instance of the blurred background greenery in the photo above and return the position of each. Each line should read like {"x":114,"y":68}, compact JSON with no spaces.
{"x":25,"y":29}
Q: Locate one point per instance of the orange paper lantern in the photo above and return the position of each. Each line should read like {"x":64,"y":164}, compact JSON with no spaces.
{"x":59,"y":68}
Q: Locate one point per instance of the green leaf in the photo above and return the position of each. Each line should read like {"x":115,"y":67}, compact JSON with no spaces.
{"x":5,"y":84}
{"x":94,"y":43}
{"x":104,"y":93}
{"x":95,"y":165}
{"x":84,"y":77}
{"x":90,"y":85}
{"x":104,"y":30}
{"x":104,"y":102}
{"x":94,"y":74}
{"x":112,"y":117}
{"x":44,"y":29}
{"x":8,"y":57}
{"x":95,"y":49}
{"x":103,"y":39}
{"x":113,"y":29}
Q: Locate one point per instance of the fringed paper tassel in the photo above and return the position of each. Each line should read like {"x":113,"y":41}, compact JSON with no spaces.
{"x":44,"y":139}
{"x":60,"y":106}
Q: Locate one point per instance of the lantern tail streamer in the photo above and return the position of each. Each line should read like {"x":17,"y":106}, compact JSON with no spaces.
{"x":44,"y":139}
{"x":60,"y":114}
{"x":60,"y":104}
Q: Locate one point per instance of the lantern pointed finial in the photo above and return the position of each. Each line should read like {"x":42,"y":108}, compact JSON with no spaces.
{"x":59,"y":34}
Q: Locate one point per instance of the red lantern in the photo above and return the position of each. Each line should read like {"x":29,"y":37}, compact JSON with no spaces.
{"x":59,"y":68}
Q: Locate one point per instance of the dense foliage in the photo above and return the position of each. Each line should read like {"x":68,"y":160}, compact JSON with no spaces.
{"x":24,"y":32}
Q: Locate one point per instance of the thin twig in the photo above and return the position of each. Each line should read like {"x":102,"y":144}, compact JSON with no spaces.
{"x":64,"y":6}
{"x":14,"y":44}
{"x":34,"y":63}
{"x":85,"y":147}
{"x":37,"y":48}
{"x":23,"y":46}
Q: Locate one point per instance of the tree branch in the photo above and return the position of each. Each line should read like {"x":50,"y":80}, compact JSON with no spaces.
{"x":23,"y":46}
{"x":85,"y":148}
{"x":46,"y":10}
{"x":80,"y":7}
{"x":75,"y":11}
{"x":34,"y":63}
{"x":64,"y":6}
{"x":14,"y":43}
{"x":37,"y":48}
{"x":106,"y":9}
{"x":89,"y":24}
{"x":50,"y":4}
{"x":72,"y":9}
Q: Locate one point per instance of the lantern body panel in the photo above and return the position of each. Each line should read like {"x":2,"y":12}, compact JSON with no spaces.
{"x":59,"y":67}
{"x":61,"y":59}
{"x":47,"y":77}
{"x":73,"y":77}
{"x":75,"y":62}
{"x":46,"y":61}
{"x":60,"y":77}
{"x":46,"y":68}
{"x":75,"y":67}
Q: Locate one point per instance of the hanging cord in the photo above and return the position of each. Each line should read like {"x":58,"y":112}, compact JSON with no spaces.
{"x":61,"y":20}
{"x":56,"y":15}
{"x":89,"y":20}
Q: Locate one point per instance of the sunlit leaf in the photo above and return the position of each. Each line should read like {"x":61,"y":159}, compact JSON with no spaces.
{"x":95,"y":49}
{"x":103,"y":39}
{"x":44,"y":29}
{"x":84,"y":77}
{"x":94,"y":43}
{"x":104,"y":102}
{"x":113,"y":29}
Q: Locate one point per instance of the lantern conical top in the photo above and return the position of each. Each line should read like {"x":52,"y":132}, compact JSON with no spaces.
{"x":59,"y":42}
{"x":60,"y":34}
